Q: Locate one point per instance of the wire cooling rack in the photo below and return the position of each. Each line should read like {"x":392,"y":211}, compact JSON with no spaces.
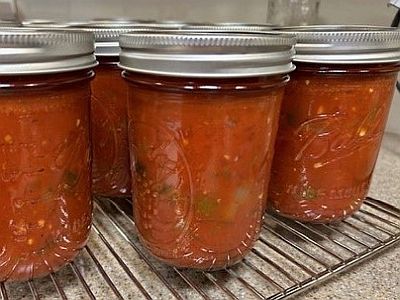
{"x":288,"y":258}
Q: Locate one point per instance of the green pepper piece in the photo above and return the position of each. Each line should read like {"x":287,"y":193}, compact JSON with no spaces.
{"x":309,"y":193}
{"x":71,"y":178}
{"x":206,"y":206}
{"x":165,"y":189}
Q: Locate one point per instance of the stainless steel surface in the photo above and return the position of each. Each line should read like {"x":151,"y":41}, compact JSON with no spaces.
{"x":343,"y":44}
{"x":27,"y":51}
{"x":289,"y":258}
{"x":211,"y":55}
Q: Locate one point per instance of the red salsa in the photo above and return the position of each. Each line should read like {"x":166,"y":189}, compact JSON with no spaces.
{"x":111,"y":174}
{"x":45,"y":157}
{"x":331,"y":126}
{"x":200,"y":160}
{"x":45,"y":195}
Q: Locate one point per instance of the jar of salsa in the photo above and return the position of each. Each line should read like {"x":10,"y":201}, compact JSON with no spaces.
{"x":45,"y":182}
{"x":111,"y":174}
{"x":332,"y":120}
{"x":203,"y":113}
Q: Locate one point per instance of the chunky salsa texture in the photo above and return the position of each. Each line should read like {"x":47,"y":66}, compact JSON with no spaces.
{"x":45,"y":183}
{"x":111,"y":174}
{"x":201,"y":154}
{"x":331,"y":126}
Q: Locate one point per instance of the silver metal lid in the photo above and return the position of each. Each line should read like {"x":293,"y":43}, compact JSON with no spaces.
{"x":107,"y":33}
{"x":40,"y":23}
{"x":227,"y":27}
{"x":341,"y":44}
{"x":172,"y":23}
{"x":42,"y":52}
{"x":210,"y":55}
{"x":51,"y":25}
{"x":122,"y":20}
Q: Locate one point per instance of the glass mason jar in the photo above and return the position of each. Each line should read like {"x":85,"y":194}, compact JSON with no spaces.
{"x":293,"y":12}
{"x":332,"y":120}
{"x":45,"y":182}
{"x":202,"y":126}
{"x":111,"y":174}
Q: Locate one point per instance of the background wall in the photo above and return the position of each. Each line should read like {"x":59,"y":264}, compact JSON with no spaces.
{"x":374,"y":12}
{"x":331,"y":11}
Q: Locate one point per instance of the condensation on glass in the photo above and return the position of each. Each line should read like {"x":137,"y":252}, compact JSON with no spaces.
{"x":45,"y":186}
{"x":202,"y":125}
{"x":332,"y":120}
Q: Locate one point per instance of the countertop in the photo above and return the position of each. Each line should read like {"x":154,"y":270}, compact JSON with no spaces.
{"x":379,"y":277}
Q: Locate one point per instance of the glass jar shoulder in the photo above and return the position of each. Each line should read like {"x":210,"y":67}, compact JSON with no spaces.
{"x":191,"y":85}
{"x":40,"y":81}
{"x":345,"y":69}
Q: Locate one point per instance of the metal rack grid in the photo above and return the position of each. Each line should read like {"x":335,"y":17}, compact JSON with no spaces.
{"x":289,"y":258}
